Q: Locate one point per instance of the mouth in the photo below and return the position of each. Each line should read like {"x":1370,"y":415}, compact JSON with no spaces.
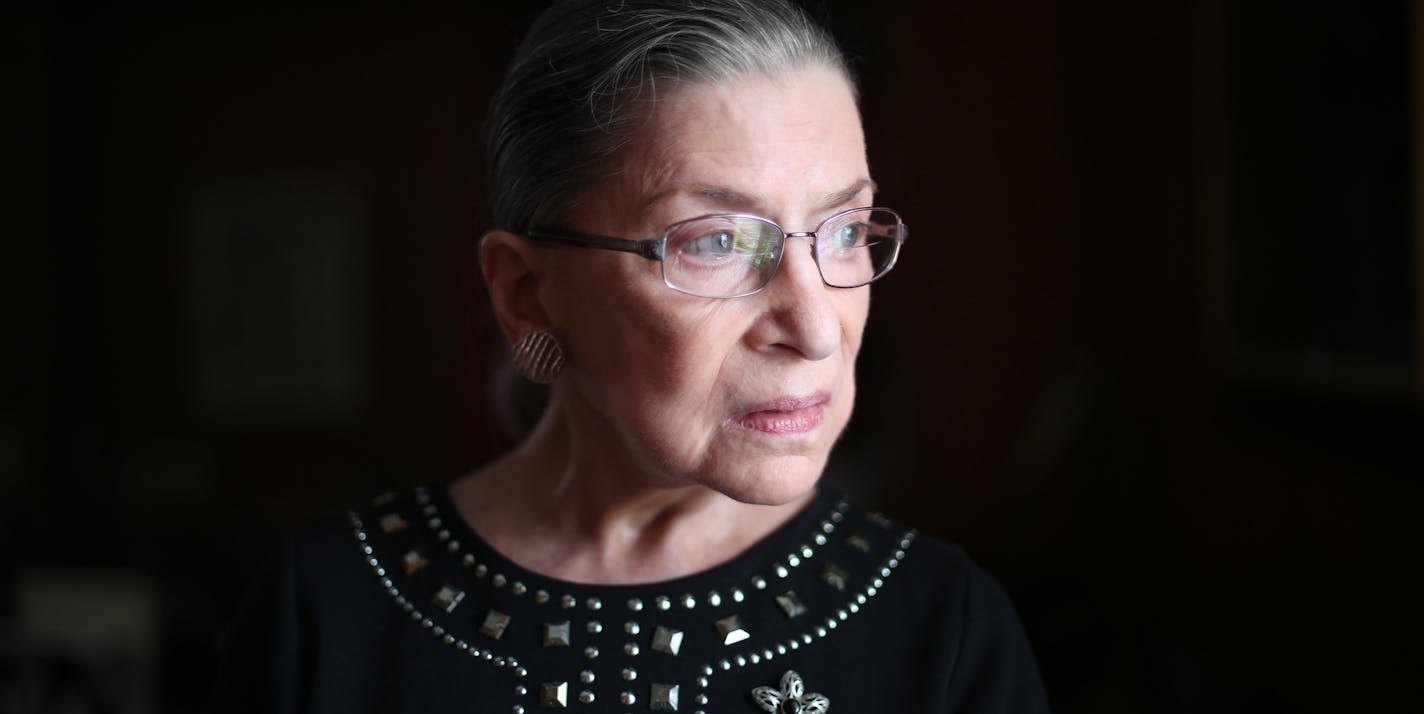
{"x":784,"y":415}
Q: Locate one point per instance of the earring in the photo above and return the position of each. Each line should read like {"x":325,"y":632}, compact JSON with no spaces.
{"x":538,"y":357}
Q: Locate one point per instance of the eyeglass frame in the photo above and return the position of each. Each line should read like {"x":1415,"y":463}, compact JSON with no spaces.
{"x":654,"y":248}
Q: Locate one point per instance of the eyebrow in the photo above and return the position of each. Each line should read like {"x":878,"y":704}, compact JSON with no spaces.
{"x":726,"y":197}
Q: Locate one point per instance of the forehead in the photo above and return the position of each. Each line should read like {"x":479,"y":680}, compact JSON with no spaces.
{"x":785,"y":141}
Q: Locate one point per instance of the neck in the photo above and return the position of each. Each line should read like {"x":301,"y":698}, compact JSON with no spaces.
{"x":571,"y":505}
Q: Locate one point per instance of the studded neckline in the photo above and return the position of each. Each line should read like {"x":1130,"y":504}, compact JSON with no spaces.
{"x":785,"y":593}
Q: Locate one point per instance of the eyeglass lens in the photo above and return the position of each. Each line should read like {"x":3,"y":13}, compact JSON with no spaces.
{"x":728,"y":256}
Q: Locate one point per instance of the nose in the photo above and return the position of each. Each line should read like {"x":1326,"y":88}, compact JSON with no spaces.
{"x":800,"y":312}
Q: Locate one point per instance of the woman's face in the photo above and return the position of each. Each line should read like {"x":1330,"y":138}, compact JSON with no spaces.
{"x":745,"y":395}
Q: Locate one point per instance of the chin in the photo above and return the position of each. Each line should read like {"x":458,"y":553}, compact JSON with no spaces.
{"x":774,"y":483}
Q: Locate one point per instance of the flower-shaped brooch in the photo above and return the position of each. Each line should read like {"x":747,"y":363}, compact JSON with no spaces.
{"x":792,"y":699}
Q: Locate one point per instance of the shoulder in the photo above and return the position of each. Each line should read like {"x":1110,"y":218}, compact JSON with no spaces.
{"x":955,"y":618}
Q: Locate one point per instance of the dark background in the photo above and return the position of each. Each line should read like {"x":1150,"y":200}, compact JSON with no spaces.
{"x":1152,"y":355}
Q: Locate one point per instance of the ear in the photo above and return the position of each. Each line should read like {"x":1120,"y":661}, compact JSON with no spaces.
{"x":514,"y":270}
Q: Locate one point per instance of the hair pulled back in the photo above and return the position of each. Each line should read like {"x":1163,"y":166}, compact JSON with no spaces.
{"x":587,"y":70}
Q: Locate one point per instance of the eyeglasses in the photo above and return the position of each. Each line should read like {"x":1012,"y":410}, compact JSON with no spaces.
{"x":736,"y":254}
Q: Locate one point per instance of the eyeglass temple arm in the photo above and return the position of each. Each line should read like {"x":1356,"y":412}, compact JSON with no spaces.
{"x":652,"y":249}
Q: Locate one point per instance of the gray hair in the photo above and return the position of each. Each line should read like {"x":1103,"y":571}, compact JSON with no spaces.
{"x":588,"y":69}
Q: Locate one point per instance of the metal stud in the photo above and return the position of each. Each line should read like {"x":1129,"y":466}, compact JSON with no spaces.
{"x":793,"y":560}
{"x":554,"y":695}
{"x":518,"y":588}
{"x":494,"y":624}
{"x":586,"y":697}
{"x":703,"y":682}
{"x":666,"y":639}
{"x":688,"y":601}
{"x":663,"y":697}
{"x":593,"y":603}
{"x":635,"y":604}
{"x":567,"y":601}
{"x":520,"y":690}
{"x":453,"y":546}
{"x":729,"y":629}
{"x":629,"y":674}
{"x":700,"y":700}
{"x":590,"y":652}
{"x":707,"y":670}
{"x":626,"y":698}
{"x":725,"y":665}
{"x":443,"y":535}
{"x":806,"y":551}
{"x":631,"y":627}
{"x":790,"y":604}
{"x":446,"y":598}
{"x":631,"y":649}
{"x":663,"y":603}
{"x":820,"y":539}
{"x":392,"y":522}
{"x":481,"y":570}
{"x":737,"y":595}
{"x":413,"y":561}
{"x":834,"y":576}
{"x":781,"y":571}
{"x":467,"y":560}
{"x":498,"y":580}
{"x":541,"y":596}
{"x":714,"y":599}
{"x":556,"y":634}
{"x":518,"y":709}
{"x":758,"y":582}
{"x":594,"y":627}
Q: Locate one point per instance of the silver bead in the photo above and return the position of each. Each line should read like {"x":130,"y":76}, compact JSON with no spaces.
{"x":541,"y":596}
{"x":688,"y":601}
{"x":758,"y":582}
{"x":626,"y":698}
{"x":594,"y":627}
{"x":781,"y":571}
{"x":703,"y":682}
{"x":520,"y":690}
{"x":629,"y":674}
{"x":635,"y":604}
{"x":631,"y":627}
{"x":567,"y":601}
{"x":518,"y":588}
{"x":586,"y":697}
{"x":737,"y":595}
{"x":586,"y":676}
{"x":714,"y":599}
{"x":590,"y":652}
{"x":593,"y":603}
{"x":663,"y":603}
{"x":631,"y":649}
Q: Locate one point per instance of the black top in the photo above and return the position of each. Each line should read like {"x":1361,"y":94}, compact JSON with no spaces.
{"x":403,"y":608}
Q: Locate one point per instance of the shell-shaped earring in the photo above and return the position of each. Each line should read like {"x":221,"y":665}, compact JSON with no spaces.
{"x":538,"y":357}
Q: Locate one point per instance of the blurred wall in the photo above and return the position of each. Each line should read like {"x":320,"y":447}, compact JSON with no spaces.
{"x":241,"y":294}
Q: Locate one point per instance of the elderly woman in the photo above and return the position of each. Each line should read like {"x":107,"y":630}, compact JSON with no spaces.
{"x":685,"y":246}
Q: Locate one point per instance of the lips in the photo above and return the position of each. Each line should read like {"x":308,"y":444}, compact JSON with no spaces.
{"x":784,"y":415}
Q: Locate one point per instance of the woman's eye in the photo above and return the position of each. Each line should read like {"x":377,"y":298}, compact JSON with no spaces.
{"x":718,"y":243}
{"x":847,"y":237}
